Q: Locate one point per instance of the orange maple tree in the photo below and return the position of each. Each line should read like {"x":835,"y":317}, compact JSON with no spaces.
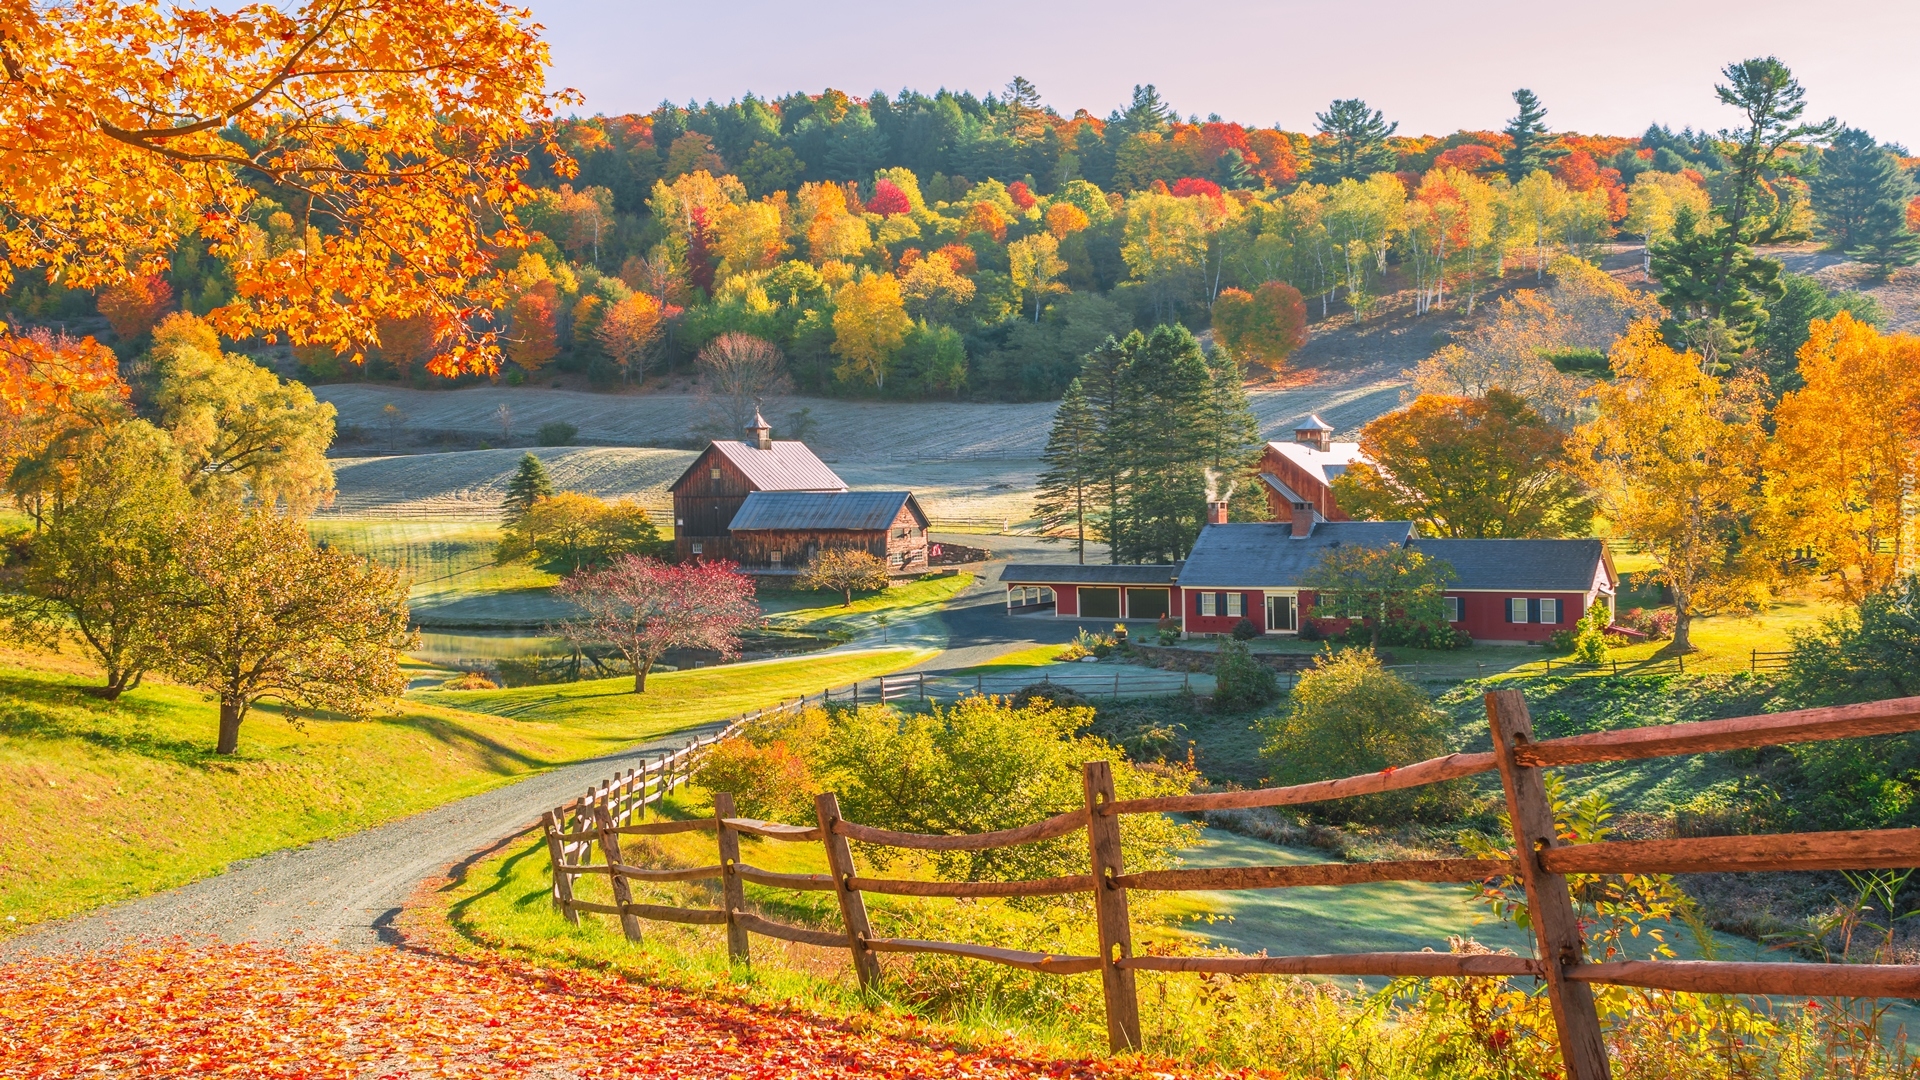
{"x":394,"y":131}
{"x":134,"y":306}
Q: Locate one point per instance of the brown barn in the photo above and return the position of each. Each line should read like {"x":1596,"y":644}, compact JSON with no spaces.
{"x":777,"y":532}
{"x":711,"y":491}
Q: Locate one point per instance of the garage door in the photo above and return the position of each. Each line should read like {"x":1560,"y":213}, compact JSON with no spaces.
{"x":1146,"y":603}
{"x":1099,"y":603}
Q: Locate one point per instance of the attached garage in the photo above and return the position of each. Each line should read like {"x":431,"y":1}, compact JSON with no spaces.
{"x":1147,"y":603}
{"x":1099,"y":603}
{"x":1110,"y":593}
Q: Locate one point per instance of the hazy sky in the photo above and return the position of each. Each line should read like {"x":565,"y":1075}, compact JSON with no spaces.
{"x":1609,"y":67}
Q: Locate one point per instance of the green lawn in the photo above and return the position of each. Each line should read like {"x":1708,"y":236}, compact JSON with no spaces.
{"x":106,"y":801}
{"x":679,"y":697}
{"x":818,"y":612}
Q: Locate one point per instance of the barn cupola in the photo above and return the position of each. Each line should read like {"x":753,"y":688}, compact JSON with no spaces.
{"x":1314,"y":432}
{"x":758,"y":433}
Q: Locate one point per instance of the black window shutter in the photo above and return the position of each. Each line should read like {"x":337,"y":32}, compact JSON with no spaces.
{"x":1533,"y":611}
{"x":1508,"y":605}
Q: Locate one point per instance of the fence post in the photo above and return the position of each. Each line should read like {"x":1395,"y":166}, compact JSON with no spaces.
{"x":853,"y":906}
{"x":923,"y":686}
{"x":562,"y":883}
{"x":622,"y":893}
{"x":1116,"y":686}
{"x":733,"y":893}
{"x":1110,"y":910}
{"x":1549,"y":904}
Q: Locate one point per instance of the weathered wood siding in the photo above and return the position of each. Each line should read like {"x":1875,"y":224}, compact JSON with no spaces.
{"x":903,"y":546}
{"x":704,"y":503}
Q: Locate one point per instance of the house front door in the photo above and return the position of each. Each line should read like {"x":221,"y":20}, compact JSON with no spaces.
{"x":1283,"y":612}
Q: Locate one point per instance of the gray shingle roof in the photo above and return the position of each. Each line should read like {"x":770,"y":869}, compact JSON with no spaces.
{"x":1519,"y":565}
{"x":1267,"y":554}
{"x":788,"y":466}
{"x":1095,"y":574}
{"x":851,"y":511}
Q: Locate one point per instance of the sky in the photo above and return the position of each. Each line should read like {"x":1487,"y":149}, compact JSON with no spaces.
{"x":1601,"y":68}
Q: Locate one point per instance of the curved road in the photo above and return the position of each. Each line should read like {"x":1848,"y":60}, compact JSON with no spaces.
{"x":348,"y":891}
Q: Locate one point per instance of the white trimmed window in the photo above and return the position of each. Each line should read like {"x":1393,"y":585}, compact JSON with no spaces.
{"x":1550,"y":612}
{"x":696,"y":547}
{"x":1206,"y":603}
{"x":1236,"y":603}
{"x":776,"y":558}
{"x":1450,"y":607}
{"x":1517,"y":609}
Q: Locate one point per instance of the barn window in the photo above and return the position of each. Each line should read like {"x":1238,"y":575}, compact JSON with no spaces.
{"x":776,"y":558}
{"x":713,"y":473}
{"x":697,"y":547}
{"x":1517,"y":609}
{"x":1451,"y":606}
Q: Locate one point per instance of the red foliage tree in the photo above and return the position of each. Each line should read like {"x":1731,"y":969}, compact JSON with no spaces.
{"x":1022,"y":198}
{"x":986,"y":218}
{"x":1264,"y":326}
{"x":1579,"y":172}
{"x":1472,"y":158}
{"x":134,"y":306}
{"x":1272,"y":157}
{"x":642,"y":607}
{"x":534,"y":339}
{"x":700,"y":250}
{"x":1193,"y":185}
{"x":888,"y":199}
{"x":962,"y":257}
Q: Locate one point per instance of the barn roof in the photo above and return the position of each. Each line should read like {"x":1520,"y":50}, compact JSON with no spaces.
{"x":785,"y":466}
{"x":1522,"y":565}
{"x":1095,"y":574}
{"x":842,"y":511}
{"x":1322,"y":465}
{"x":1266,"y":554}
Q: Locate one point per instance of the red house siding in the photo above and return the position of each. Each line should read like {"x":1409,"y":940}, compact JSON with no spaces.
{"x":1483,"y":615}
{"x":1066,"y":600}
{"x":1309,"y":487}
{"x":1253,"y":606}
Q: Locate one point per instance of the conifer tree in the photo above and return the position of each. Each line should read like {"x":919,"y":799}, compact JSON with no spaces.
{"x":1860,"y":196}
{"x":529,"y":484}
{"x":1529,"y":134}
{"x":1358,"y":142}
{"x":1068,"y":489}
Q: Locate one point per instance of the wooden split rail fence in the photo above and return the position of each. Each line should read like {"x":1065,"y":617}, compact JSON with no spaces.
{"x":1543,"y":863}
{"x":919,"y":686}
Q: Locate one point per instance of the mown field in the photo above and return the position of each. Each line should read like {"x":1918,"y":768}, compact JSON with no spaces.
{"x":104,"y":801}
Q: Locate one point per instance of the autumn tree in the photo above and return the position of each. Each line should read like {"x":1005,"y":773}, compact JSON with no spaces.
{"x":934,"y":289}
{"x":1379,"y":585}
{"x":102,"y":559}
{"x":400,"y":130}
{"x":738,"y":372}
{"x":406,"y":342}
{"x":844,"y":571}
{"x":528,"y":485}
{"x":134,"y":306}
{"x":43,"y":376}
{"x":1034,"y":264}
{"x":626,"y":330}
{"x":1262,"y":327}
{"x":1673,"y":462}
{"x":268,"y":613}
{"x":535,"y":335}
{"x":238,"y":426}
{"x":1466,"y":467}
{"x":870,"y":323}
{"x":643,"y":607}
{"x":1844,"y":460}
{"x":569,"y":532}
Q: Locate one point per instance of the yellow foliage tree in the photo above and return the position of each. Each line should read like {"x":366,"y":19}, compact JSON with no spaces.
{"x":1673,"y":462}
{"x":399,"y":125}
{"x":870,"y":323}
{"x":1034,"y":263}
{"x":1844,"y":462}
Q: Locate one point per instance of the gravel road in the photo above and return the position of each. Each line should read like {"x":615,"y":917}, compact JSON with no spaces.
{"x":344,"y":891}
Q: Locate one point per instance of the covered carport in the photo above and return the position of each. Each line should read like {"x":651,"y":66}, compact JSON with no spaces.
{"x":1073,"y":591}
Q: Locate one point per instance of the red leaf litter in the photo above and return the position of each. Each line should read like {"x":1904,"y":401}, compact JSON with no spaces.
{"x":254,"y":1011}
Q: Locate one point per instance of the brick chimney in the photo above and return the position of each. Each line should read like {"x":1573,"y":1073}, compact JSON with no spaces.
{"x":758,"y":433}
{"x":1302,"y":523}
{"x":1217,"y":512}
{"x":1314,"y":432}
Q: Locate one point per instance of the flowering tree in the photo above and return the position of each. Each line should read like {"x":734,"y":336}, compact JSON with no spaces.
{"x":643,"y":607}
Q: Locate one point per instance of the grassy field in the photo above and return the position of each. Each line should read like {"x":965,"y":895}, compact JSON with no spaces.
{"x":453,"y":578}
{"x":106,"y":801}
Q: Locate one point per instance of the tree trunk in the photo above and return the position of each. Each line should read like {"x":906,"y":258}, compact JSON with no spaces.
{"x":640,"y":676}
{"x":1682,"y":624}
{"x":230,"y":717}
{"x":848,"y":594}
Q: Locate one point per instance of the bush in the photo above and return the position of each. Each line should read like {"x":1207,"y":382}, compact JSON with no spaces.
{"x":1590,"y":634}
{"x":1244,"y":630}
{"x":1438,"y":637}
{"x":1169,"y":630}
{"x":1086,"y":643}
{"x":557,"y":433}
{"x":1867,"y":655}
{"x":1349,"y":716}
{"x":1052,"y":694}
{"x":768,"y":782}
{"x":471,"y":680}
{"x":1310,"y":630}
{"x":1656,"y":624}
{"x":1240,"y":681}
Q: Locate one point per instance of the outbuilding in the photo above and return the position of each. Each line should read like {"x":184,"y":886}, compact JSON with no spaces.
{"x":778,"y":532}
{"x":712,"y":490}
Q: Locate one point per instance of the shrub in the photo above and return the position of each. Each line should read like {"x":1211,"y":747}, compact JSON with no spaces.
{"x":1052,"y":694}
{"x":1656,"y":624}
{"x":1438,"y":636}
{"x":1310,"y":630}
{"x":844,"y":571}
{"x":1348,"y":716}
{"x":1863,"y":655}
{"x":1086,"y":643}
{"x":1240,"y":681}
{"x":1590,"y":634}
{"x":1169,"y":629}
{"x":1244,"y":630}
{"x":471,"y":680}
{"x":768,"y":782}
{"x":556,"y":433}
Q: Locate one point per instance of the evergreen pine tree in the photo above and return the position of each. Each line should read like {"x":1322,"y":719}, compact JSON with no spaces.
{"x":1359,"y":142}
{"x":528,"y":484}
{"x":1228,"y":437}
{"x":1529,"y":134}
{"x":1231,"y":171}
{"x":1715,"y":287}
{"x":1068,"y":488}
{"x":1860,"y":196}
{"x":1109,"y":394}
{"x":1164,"y":499}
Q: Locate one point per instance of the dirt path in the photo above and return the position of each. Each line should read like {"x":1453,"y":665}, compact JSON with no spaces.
{"x":344,"y":891}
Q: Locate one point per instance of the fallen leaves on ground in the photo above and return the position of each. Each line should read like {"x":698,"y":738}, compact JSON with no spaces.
{"x":255,"y":1011}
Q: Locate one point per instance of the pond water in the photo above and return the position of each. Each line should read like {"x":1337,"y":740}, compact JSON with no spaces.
{"x":474,"y":650}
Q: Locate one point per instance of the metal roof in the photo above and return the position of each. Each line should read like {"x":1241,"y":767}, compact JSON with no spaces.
{"x":1521,"y":565}
{"x":843,"y":511}
{"x":1092,"y":574}
{"x":788,"y":466}
{"x":1322,"y":465}
{"x":1266,"y":554}
{"x":1313,"y":423}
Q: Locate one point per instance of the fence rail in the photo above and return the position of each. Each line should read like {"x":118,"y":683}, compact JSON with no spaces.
{"x":920,"y":686}
{"x":1542,"y":864}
